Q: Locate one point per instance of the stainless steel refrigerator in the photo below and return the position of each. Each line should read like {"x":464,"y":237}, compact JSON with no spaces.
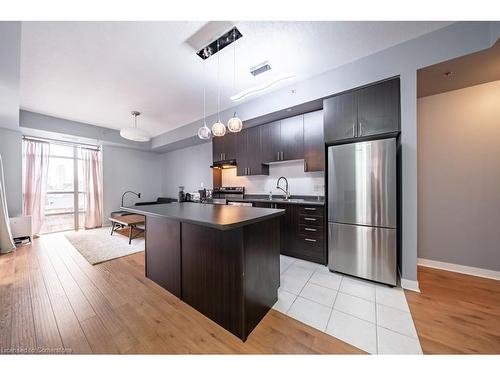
{"x":362,"y":210}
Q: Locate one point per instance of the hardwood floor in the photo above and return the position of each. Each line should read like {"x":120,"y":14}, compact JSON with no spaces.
{"x":53,"y":301}
{"x":456,"y":313}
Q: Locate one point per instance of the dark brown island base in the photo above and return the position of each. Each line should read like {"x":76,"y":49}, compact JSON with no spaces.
{"x":221,"y":260}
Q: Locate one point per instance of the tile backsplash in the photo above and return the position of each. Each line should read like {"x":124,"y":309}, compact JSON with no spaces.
{"x":300,"y":182}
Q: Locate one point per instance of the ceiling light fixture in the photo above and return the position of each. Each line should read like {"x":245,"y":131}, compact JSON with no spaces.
{"x":218,"y":129}
{"x":204,"y":132}
{"x":258,"y":89}
{"x":234,"y":124}
{"x":134,"y":133}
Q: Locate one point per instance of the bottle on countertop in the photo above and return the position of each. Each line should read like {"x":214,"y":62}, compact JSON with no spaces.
{"x":270,"y":195}
{"x":182,"y":196}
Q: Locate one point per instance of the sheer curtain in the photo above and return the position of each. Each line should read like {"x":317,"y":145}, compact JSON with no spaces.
{"x":36,"y":166}
{"x":6,"y":243}
{"x":92,"y":168}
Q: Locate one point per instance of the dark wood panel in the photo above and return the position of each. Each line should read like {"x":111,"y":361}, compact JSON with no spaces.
{"x":314,"y":142}
{"x":242,"y":153}
{"x":163,"y":253}
{"x":378,"y":108}
{"x":212,"y":274}
{"x":289,"y":228}
{"x":217,"y":148}
{"x":312,"y":210}
{"x":292,"y":138}
{"x":270,"y":141}
{"x":340,"y":117}
{"x":230,"y":145}
{"x":262,"y":270}
{"x":254,"y":153}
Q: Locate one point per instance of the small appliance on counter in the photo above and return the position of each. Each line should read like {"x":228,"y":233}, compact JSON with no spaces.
{"x":193,"y":197}
{"x":182,"y":196}
{"x":220,"y":195}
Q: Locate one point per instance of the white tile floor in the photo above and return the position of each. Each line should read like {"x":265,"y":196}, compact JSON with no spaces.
{"x":370,"y":316}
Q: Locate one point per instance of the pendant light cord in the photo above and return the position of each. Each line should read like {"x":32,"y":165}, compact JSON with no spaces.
{"x":218,"y":82}
{"x":234,"y":60}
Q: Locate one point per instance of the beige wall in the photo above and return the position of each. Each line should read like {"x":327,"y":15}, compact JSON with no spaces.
{"x":459,"y":176}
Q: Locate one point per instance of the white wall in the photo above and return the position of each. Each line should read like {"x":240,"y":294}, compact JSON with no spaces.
{"x":189,"y":167}
{"x":127,"y":169}
{"x":10,"y":66}
{"x":459,"y":176}
{"x":299,"y":182}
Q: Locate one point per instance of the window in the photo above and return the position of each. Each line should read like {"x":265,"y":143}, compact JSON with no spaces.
{"x":65,"y":199}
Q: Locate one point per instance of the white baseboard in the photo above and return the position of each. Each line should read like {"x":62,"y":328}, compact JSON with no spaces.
{"x":410,"y":285}
{"x":474,"y":271}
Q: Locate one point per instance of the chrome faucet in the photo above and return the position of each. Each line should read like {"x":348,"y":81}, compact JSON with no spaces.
{"x":285,"y":191}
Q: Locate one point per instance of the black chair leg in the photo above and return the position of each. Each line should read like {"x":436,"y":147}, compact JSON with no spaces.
{"x":113,"y":228}
{"x":130,"y":235}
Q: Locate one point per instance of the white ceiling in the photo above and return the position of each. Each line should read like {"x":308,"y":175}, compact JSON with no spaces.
{"x":97,"y":72}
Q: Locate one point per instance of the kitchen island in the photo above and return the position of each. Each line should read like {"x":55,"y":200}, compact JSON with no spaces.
{"x":221,"y":260}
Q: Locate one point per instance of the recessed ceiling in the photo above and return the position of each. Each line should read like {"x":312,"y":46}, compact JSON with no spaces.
{"x":465,"y":71}
{"x":97,"y":72}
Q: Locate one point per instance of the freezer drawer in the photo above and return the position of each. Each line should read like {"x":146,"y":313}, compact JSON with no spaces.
{"x":362,"y":183}
{"x":366,"y":252}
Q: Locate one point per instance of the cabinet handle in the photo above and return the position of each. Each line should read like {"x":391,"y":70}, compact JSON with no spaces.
{"x":282,"y":157}
{"x":360,"y":128}
{"x":278,"y":158}
{"x":309,"y":209}
{"x":309,"y":239}
{"x":353,"y":129}
{"x":309,"y":219}
{"x":311,"y":229}
{"x":249,"y":170}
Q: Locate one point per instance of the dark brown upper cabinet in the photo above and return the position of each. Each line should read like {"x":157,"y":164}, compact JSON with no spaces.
{"x":378,"y":108}
{"x":270,"y":141}
{"x":292,"y":138}
{"x":314,"y":144}
{"x":340,"y":117}
{"x":363,"y":112}
{"x":224,"y":148}
{"x":249,"y":158}
{"x":283,"y":140}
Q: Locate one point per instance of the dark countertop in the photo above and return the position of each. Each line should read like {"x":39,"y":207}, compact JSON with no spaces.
{"x":211,"y":215}
{"x":301,"y":200}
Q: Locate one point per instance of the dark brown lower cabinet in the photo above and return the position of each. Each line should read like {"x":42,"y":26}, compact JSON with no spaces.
{"x":231,"y":276}
{"x":302,"y":231}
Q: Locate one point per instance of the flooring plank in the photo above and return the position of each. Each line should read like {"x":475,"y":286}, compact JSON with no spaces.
{"x":71,"y":332}
{"x":6,"y":290}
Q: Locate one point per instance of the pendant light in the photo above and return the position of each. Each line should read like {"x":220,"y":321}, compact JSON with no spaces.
{"x":218,"y":129}
{"x":234,"y":124}
{"x":134,"y":133}
{"x":204,"y":132}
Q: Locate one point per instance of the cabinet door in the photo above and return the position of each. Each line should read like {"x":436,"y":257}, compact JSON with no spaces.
{"x":254,"y":154}
{"x":230,"y":145}
{"x":270,"y":141}
{"x":217,"y":148}
{"x":314,"y":143}
{"x":292,"y":138}
{"x":340,"y":117}
{"x":289,"y":228}
{"x":242,"y":153}
{"x":378,"y":108}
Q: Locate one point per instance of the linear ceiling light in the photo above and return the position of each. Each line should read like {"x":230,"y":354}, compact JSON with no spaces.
{"x":257,"y":89}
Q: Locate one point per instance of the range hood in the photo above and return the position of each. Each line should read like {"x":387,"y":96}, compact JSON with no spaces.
{"x":224,"y":164}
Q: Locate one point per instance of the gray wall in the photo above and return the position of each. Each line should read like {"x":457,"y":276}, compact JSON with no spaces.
{"x":10,"y":55}
{"x":455,"y":40}
{"x":127,"y":169}
{"x":10,"y":137}
{"x":459,"y":177}
{"x":189,"y":167}
{"x":10,"y":149}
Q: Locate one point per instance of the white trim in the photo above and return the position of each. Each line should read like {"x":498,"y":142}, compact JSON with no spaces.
{"x":410,"y":285}
{"x":474,"y":271}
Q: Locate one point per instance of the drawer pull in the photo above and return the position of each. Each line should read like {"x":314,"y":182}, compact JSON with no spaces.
{"x":309,"y":239}
{"x":311,"y":229}
{"x":309,"y":219}
{"x":309,"y":209}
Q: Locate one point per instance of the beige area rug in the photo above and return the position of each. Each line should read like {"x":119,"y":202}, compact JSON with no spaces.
{"x":97,"y":245}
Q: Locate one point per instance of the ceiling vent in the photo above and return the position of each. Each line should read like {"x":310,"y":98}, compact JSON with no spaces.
{"x":261,"y":68}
